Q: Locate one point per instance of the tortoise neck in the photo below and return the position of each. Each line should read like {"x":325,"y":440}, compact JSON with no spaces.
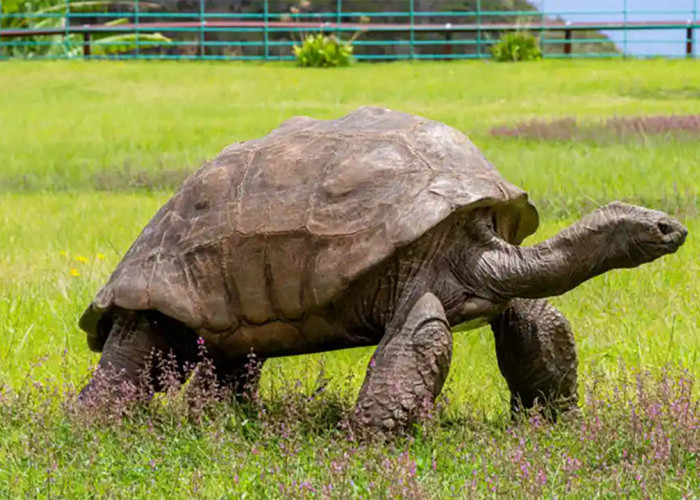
{"x":550,"y":268}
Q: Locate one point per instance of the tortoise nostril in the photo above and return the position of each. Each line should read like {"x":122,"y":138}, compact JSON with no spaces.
{"x":665,"y":227}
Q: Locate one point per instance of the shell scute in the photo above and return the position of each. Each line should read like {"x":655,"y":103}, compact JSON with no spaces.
{"x":277,"y":227}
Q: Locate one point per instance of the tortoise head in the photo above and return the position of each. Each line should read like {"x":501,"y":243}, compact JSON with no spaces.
{"x":617,"y":235}
{"x":635,"y":235}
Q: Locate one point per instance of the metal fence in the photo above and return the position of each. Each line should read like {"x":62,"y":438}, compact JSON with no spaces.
{"x":381,"y":30}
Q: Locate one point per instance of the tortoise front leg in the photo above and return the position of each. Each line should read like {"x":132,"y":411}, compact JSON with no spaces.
{"x":129,"y":358}
{"x":408,"y":369}
{"x":537,"y":356}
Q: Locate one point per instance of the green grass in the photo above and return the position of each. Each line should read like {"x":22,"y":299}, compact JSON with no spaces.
{"x":78,"y":120}
{"x":90,"y":151}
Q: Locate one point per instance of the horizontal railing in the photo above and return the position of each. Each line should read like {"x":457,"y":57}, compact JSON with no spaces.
{"x":269,"y":35}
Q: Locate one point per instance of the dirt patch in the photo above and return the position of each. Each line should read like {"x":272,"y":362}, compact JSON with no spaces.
{"x":615,"y":129}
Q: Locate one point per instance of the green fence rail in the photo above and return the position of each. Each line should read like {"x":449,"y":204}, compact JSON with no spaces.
{"x":388,"y":30}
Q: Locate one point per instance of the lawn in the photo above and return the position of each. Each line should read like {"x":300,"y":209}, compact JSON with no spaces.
{"x":91,"y":150}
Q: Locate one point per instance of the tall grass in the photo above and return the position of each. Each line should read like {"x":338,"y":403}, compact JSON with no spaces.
{"x":90,"y":151}
{"x":640,"y":440}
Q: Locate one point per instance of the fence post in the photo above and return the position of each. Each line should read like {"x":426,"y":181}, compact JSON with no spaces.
{"x":1,"y":30}
{"x":624,"y":43}
{"x":448,"y":42}
{"x":87,"y":49}
{"x":543,"y":19}
{"x":266,"y":14}
{"x":202,"y":21}
{"x":66,"y":35}
{"x":413,"y":33}
{"x":478,"y":29}
{"x":695,"y":20}
{"x":136,"y":22}
{"x":689,"y":41}
{"x":338,"y":18}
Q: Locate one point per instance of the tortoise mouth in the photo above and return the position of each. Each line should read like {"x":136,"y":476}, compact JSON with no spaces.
{"x":664,"y":241}
{"x":669,"y":233}
{"x":674,"y":232}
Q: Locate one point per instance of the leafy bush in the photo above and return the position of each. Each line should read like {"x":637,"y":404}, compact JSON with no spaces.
{"x":322,"y":51}
{"x":517,"y":46}
{"x":38,"y":14}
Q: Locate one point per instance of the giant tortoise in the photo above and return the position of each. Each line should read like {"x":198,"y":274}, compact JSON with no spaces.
{"x":377,"y":228}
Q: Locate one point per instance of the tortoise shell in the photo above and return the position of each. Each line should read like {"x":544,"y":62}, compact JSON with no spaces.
{"x":276,"y":227}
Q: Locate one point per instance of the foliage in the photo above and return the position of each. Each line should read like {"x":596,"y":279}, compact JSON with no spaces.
{"x":323,"y":51}
{"x":116,"y":44}
{"x":639,"y":439}
{"x":516,"y":46}
{"x":43,"y":14}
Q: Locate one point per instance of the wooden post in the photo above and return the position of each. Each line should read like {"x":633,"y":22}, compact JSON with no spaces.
{"x":448,"y":40}
{"x":689,"y":41}
{"x":87,"y":50}
{"x":567,"y":45}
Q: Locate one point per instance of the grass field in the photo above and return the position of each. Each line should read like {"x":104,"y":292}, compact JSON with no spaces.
{"x":90,"y":151}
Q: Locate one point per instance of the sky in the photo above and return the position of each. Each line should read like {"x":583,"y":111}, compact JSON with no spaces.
{"x":641,"y":43}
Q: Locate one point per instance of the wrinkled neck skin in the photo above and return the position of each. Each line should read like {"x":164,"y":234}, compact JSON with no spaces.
{"x":550,"y":268}
{"x":486,"y":271}
{"x":555,"y":266}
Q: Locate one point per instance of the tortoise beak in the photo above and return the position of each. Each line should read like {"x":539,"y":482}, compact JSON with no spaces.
{"x":674,"y":233}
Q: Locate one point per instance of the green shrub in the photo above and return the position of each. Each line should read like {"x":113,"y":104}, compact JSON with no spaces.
{"x":321,"y":51}
{"x":38,"y":14}
{"x":517,"y":46}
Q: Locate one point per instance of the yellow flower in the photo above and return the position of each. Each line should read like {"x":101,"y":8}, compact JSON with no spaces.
{"x":80,"y":258}
{"x":74,"y":272}
{"x":101,"y":256}
{"x":63,"y":253}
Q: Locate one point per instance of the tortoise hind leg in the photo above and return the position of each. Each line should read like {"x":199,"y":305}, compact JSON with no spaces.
{"x":408,"y":369}
{"x":242,"y":378}
{"x":537,"y":356}
{"x":133,"y":358}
